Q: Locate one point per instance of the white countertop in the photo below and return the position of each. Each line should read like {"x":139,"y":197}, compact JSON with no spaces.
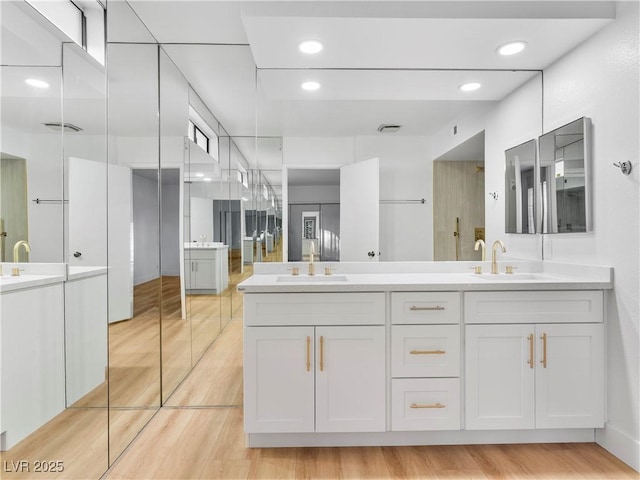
{"x":41,"y":274}
{"x":11,"y":283}
{"x":205,"y":246}
{"x":395,"y":276}
{"x":77,"y":272}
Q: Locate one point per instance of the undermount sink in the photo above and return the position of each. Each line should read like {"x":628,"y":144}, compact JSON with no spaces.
{"x":512,"y":277}
{"x":312,"y":278}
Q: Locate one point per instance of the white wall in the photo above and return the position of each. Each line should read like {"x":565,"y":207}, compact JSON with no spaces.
{"x":44,"y":180}
{"x":201,"y":219}
{"x":145,"y":230}
{"x":315,"y":194}
{"x":406,"y":230}
{"x":170,"y":230}
{"x":600,"y":79}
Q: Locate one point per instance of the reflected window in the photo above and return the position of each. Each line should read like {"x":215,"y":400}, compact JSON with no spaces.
{"x":198,"y":137}
{"x":81,"y":20}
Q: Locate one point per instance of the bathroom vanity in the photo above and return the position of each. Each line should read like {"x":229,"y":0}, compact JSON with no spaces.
{"x":33,"y":322}
{"x":396,"y":354}
{"x":206,"y":267}
{"x":32,"y":349}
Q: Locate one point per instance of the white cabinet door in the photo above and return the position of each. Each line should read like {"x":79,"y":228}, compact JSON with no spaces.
{"x":204,"y":275}
{"x":278,"y":379}
{"x":499,"y":377}
{"x":570,"y":376}
{"x":350,"y":379}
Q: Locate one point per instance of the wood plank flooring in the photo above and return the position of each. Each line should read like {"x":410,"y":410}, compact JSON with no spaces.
{"x":198,"y":434}
{"x":209,"y":444}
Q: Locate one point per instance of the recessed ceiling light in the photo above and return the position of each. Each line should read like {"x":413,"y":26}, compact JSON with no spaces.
{"x":310,"y":86}
{"x":206,"y":179}
{"x":199,"y":174}
{"x":470,"y":87}
{"x":512,"y":48}
{"x":310,"y":47}
{"x":34,"y":82}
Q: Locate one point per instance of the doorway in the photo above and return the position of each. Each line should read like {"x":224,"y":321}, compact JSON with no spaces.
{"x":458,"y":201}
{"x":314,"y":214}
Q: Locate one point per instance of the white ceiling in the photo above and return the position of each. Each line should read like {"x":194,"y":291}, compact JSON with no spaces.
{"x":366,"y":42}
{"x":383,"y":61}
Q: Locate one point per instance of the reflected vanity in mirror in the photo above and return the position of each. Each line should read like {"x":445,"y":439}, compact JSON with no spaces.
{"x":564,"y":178}
{"x":520,"y":191}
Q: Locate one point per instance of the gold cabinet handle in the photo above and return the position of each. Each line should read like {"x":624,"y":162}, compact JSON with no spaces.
{"x":414,"y":308}
{"x":530,"y":362}
{"x":427,"y":405}
{"x":321,"y":353}
{"x":427,"y":352}
{"x":544,"y":350}
{"x":308,"y":354}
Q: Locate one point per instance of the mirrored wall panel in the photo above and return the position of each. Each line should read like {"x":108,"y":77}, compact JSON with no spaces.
{"x":53,"y":175}
{"x":520,"y":188}
{"x":133,"y":241}
{"x":564,"y":178}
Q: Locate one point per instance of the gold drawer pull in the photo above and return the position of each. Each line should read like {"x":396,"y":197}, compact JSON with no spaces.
{"x":321,"y":353}
{"x":428,"y":405}
{"x":436,"y":308}
{"x":530,"y":362}
{"x":308,"y":354}
{"x":427,"y":352}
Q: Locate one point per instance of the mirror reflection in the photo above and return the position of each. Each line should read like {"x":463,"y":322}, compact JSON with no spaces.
{"x":429,"y":204}
{"x":520,"y":188}
{"x":564,"y":180}
{"x":53,"y":175}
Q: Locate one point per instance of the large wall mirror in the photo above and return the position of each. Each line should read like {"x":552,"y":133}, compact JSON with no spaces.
{"x":342,"y":124}
{"x":520,"y":188}
{"x":53,"y":164}
{"x":564,"y":178}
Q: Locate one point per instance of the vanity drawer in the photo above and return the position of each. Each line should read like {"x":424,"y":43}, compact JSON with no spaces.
{"x":425,"y":350}
{"x":314,"y":309}
{"x":571,"y":306}
{"x":425,"y":404}
{"x":425,"y":307}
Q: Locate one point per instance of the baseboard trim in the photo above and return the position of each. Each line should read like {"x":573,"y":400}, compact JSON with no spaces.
{"x":619,"y":444}
{"x":452,"y":437}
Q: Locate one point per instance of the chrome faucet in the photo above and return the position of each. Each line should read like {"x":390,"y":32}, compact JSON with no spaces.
{"x":16,"y":250}
{"x":312,"y":251}
{"x":480,"y":243}
{"x":494,"y":264}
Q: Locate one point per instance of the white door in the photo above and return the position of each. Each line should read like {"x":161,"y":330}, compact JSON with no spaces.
{"x":278,"y":379}
{"x":570,"y":376}
{"x":350,"y":379}
{"x":359,"y":211}
{"x":499,"y":377}
{"x":87,"y":240}
{"x":120,"y":243}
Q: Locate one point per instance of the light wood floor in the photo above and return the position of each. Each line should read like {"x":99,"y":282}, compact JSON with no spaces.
{"x":198,"y":434}
{"x":208,"y":443}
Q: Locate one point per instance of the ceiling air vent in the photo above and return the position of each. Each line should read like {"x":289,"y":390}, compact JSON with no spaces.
{"x":58,"y":126}
{"x":388,"y":128}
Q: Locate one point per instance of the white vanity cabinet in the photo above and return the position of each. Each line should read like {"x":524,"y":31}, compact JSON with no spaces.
{"x":534,"y":360}
{"x":206,"y":270}
{"x":32,"y":350}
{"x":425,"y":361}
{"x":314,"y":362}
